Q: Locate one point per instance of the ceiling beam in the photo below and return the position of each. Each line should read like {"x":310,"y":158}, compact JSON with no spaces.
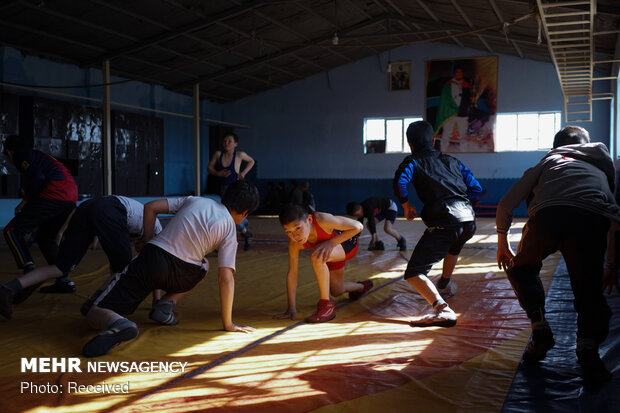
{"x":403,"y":24}
{"x":456,"y":29}
{"x":188,"y":28}
{"x":277,"y":49}
{"x":289,"y":29}
{"x":399,"y":11}
{"x":293,"y":49}
{"x":498,"y":14}
{"x":335,"y":26}
{"x":132,"y":76}
{"x":74,"y":20}
{"x":32,"y":30}
{"x":303,"y":59}
{"x":600,"y":8}
{"x":436,"y":19}
{"x":242,"y":55}
{"x":188,"y":35}
{"x":470,"y":24}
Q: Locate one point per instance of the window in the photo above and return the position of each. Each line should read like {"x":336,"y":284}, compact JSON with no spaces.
{"x":386,"y":134}
{"x":526,"y":131}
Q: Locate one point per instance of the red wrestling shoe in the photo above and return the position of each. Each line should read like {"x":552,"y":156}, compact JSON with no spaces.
{"x":325,"y":311}
{"x":355,"y":295}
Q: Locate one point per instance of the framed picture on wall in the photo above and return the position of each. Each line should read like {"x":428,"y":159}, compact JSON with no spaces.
{"x":461,"y":103}
{"x":400,"y":76}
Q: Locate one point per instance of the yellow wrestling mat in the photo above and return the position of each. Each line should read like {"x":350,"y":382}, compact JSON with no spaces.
{"x":368,"y":359}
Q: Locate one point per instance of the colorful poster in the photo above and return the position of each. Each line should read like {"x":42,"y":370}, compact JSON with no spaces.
{"x":461,"y":103}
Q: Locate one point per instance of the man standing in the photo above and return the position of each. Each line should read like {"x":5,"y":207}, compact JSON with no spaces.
{"x":226,"y":164}
{"x":50,"y":194}
{"x":570,"y":201}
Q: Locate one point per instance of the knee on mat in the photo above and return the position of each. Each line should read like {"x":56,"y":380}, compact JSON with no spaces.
{"x":336,"y":291}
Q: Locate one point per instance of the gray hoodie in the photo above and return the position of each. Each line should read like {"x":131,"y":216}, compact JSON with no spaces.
{"x":579,"y":175}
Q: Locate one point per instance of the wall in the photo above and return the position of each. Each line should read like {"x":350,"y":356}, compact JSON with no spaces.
{"x":312,"y":128}
{"x":178,"y":131}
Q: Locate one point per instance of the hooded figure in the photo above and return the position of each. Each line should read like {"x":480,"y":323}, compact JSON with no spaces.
{"x":570,"y":202}
{"x":447,"y":189}
{"x":445,"y":186}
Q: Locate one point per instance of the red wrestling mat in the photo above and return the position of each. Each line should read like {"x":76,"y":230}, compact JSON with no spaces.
{"x":367,"y":359}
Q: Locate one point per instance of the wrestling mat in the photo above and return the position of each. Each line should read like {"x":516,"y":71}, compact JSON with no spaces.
{"x":368,"y":359}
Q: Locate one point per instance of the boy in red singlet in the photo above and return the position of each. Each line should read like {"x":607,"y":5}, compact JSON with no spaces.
{"x":334,"y":241}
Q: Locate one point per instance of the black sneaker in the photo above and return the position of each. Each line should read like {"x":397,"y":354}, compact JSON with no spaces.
{"x":6,"y":299}
{"x":402,"y":244}
{"x":59,"y":287}
{"x":592,"y":367}
{"x":163,"y":313}
{"x":540,"y":342}
{"x":378,"y":246}
{"x":23,"y":294}
{"x":119,"y":331}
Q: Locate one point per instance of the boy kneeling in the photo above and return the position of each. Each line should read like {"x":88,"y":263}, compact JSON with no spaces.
{"x":334,"y":241}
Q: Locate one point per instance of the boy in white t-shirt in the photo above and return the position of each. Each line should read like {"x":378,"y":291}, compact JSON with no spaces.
{"x":173,"y":261}
{"x":115,"y":220}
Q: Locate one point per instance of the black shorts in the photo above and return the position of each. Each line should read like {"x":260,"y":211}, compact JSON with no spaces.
{"x":435,"y":243}
{"x":152,"y":269}
{"x":389,"y":215}
{"x":105,"y":218}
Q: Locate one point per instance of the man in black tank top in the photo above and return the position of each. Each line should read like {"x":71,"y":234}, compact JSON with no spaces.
{"x":226,"y":165}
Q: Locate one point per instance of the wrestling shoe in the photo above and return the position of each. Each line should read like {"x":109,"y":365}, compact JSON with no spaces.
{"x":163,"y":313}
{"x":59,"y":287}
{"x":378,"y":246}
{"x":442,"y":316}
{"x":325,"y":311}
{"x":6,"y":298}
{"x":448,"y":291}
{"x":541,"y":342}
{"x":355,"y":295}
{"x":121,"y":330}
{"x":402,"y":244}
{"x":23,"y":294}
{"x":592,"y":367}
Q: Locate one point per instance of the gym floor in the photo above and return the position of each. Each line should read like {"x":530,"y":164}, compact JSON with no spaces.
{"x":368,"y":359}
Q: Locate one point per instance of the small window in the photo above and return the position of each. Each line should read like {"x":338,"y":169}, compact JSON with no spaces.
{"x":528,"y":131}
{"x":383,"y":135}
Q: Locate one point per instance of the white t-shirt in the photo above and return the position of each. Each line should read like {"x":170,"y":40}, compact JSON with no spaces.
{"x":135,"y":215}
{"x":199,"y":226}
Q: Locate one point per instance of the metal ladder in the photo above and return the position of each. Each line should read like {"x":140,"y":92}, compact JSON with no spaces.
{"x":570,"y":40}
